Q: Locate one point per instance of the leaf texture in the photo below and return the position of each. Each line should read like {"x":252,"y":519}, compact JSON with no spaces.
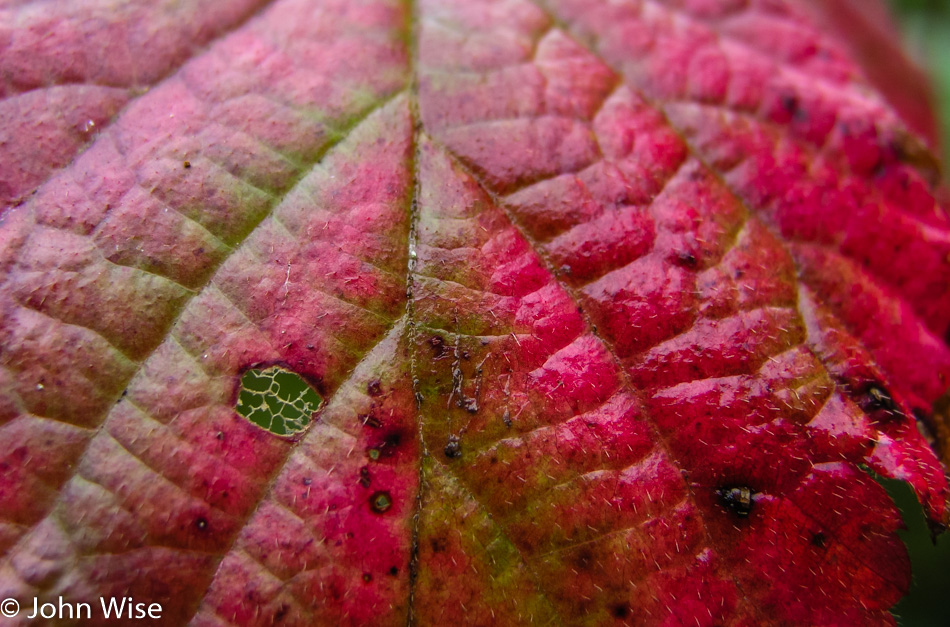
{"x":610,"y":305}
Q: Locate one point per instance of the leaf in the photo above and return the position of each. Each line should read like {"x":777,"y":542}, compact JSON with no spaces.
{"x":608,"y":307}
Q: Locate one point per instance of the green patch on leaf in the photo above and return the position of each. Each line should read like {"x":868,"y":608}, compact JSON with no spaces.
{"x":277,"y":400}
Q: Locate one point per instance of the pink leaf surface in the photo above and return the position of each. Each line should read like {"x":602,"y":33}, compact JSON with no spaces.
{"x":611,"y":305}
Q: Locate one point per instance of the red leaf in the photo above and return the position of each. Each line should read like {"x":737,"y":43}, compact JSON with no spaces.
{"x":609,"y":306}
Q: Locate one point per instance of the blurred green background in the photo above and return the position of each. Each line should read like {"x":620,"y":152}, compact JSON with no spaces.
{"x":926,"y":26}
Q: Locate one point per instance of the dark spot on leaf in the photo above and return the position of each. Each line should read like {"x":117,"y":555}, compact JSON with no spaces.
{"x":438,"y":346}
{"x":791,"y":104}
{"x":281,"y":613}
{"x":736,"y":498}
{"x":393,"y":439}
{"x":439,"y":544}
{"x":379,"y":502}
{"x":584,"y":559}
{"x":186,"y":165}
{"x":818,"y":539}
{"x":365,"y":478}
{"x":367,"y":578}
{"x":370,"y":421}
{"x":373,"y":388}
{"x":394,"y":571}
{"x":620,"y":610}
{"x":687,"y":259}
{"x":878,"y":402}
{"x":454,"y":448}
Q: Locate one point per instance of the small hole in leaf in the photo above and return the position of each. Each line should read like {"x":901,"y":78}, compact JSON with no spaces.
{"x":277,"y":400}
{"x":380,"y":502}
{"x":201,"y":524}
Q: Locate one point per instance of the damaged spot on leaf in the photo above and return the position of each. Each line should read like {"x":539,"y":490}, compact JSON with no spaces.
{"x":454,"y":448}
{"x":380,"y":502}
{"x":738,"y":499}
{"x":880,"y":399}
{"x":277,"y":400}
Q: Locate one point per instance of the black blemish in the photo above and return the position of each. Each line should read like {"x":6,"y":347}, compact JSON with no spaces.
{"x":493,"y":460}
{"x":439,"y":544}
{"x":373,"y":388}
{"x":438,"y":346}
{"x":392,"y":440}
{"x":687,"y":259}
{"x":367,"y":578}
{"x":453,"y":449}
{"x":381,"y":501}
{"x":186,"y":165}
{"x":370,"y":421}
{"x":201,"y":524}
{"x":818,"y":539}
{"x":790,"y":103}
{"x":878,"y":400}
{"x":281,"y":613}
{"x":365,"y":478}
{"x":584,"y":559}
{"x":394,"y":571}
{"x":736,"y":498}
{"x":621,"y":610}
